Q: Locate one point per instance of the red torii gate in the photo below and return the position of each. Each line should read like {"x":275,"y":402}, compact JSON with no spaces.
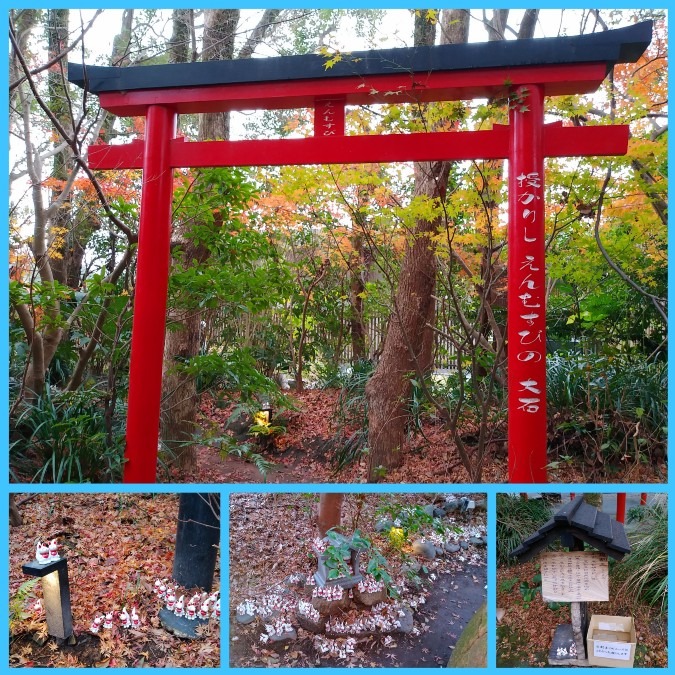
{"x":528,"y":70}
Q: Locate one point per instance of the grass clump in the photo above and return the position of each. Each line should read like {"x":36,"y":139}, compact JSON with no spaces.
{"x":517,"y":518}
{"x":644,"y":572}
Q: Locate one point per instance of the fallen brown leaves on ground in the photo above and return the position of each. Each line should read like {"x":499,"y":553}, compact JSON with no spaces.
{"x":305,"y":453}
{"x":116,"y":545}
{"x":270,"y":539}
{"x":525,"y":632}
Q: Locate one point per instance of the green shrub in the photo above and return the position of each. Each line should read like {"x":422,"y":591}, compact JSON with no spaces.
{"x":352,"y":414}
{"x":517,"y":519}
{"x":635,"y":389}
{"x":67,"y":435}
{"x":644,"y":572}
{"x":615,"y":406}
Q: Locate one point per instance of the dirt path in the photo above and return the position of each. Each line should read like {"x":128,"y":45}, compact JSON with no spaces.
{"x":288,"y":467}
{"x":455,"y":598}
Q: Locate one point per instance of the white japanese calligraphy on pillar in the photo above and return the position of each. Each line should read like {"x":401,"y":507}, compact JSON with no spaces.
{"x":329,"y":117}
{"x":527,"y":292}
{"x":531,"y":346}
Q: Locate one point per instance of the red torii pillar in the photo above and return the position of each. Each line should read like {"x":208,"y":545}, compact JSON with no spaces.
{"x":152,"y":282}
{"x":525,"y":143}
{"x":526,"y":297}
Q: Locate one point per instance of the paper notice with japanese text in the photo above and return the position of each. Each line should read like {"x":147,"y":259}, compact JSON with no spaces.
{"x":576,"y":576}
{"x":612,"y":650}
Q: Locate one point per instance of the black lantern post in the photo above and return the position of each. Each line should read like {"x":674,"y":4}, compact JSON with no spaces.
{"x":56,"y":594}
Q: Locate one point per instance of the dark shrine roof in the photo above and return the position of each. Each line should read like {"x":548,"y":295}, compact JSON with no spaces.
{"x":622,"y":45}
{"x":583,"y":521}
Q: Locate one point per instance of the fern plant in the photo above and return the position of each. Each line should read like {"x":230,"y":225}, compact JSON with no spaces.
{"x":17,"y":603}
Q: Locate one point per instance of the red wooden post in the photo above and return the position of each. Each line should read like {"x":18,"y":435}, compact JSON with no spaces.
{"x":643,"y":499}
{"x":621,"y":507}
{"x":152,"y":278}
{"x":526,"y":290}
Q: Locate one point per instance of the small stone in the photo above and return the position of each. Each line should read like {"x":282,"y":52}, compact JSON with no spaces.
{"x":369,"y":599}
{"x":429,"y":509}
{"x":464,"y":545}
{"x":451,"y":548}
{"x":406,"y":622}
{"x":438,"y":513}
{"x":295,"y":580}
{"x":384,"y":525}
{"x":451,"y":506}
{"x":424,"y":548}
{"x":439,"y":550}
{"x":476,"y":541}
{"x":244,"y":619}
{"x":280,"y":640}
{"x":485,"y":539}
{"x":481,"y":505}
{"x":311,"y":625}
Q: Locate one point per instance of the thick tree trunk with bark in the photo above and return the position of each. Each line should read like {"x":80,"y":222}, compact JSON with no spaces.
{"x":408,"y":346}
{"x":330,"y":511}
{"x":183,"y":337}
{"x":65,"y":251}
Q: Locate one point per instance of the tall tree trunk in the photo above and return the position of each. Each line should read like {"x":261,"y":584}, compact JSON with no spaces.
{"x":357,"y":287}
{"x":65,"y":252}
{"x":408,"y":344}
{"x":330,"y":511}
{"x":180,"y":40}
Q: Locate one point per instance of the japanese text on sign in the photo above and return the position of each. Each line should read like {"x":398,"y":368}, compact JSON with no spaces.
{"x":612,"y":650}
{"x":574,"y":577}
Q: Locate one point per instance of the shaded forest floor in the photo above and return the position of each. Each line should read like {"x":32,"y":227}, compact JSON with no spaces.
{"x":306,"y":452}
{"x":525,"y":632}
{"x":116,"y":545}
{"x":270,"y":540}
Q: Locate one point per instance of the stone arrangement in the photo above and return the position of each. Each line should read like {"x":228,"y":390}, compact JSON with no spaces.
{"x":341,"y":612}
{"x":338,"y":612}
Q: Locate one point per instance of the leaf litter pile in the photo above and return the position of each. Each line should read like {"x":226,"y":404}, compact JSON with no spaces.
{"x":117,"y":546}
{"x":273,"y":560}
{"x":310,"y":442}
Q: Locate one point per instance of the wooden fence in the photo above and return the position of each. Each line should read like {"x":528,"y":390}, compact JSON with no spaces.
{"x":247,"y":332}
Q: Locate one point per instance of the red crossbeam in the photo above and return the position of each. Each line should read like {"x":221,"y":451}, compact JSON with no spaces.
{"x":559,"y":141}
{"x":403,"y":87}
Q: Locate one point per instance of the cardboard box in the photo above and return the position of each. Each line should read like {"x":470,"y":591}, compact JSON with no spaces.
{"x":611,"y":641}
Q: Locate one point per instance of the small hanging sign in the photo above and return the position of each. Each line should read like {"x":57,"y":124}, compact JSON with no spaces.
{"x":576,"y":576}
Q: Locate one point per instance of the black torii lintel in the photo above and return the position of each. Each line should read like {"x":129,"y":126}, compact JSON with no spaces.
{"x":621,"y":45}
